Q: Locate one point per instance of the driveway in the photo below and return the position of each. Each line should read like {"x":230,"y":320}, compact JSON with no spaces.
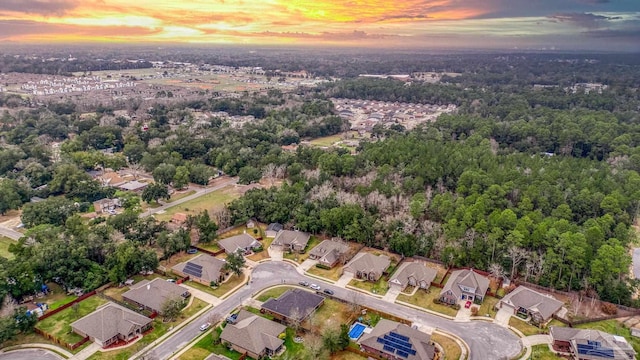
{"x":202,"y":295}
{"x":536,"y":340}
{"x":503,"y":316}
{"x":275,"y":254}
{"x":391,"y":294}
{"x":485,"y":340}
{"x":344,"y":280}
{"x":308,"y":264}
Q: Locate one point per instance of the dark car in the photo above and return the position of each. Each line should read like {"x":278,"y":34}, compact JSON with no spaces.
{"x":328,"y":291}
{"x":304,"y":283}
{"x":192,"y":251}
{"x":232,"y":318}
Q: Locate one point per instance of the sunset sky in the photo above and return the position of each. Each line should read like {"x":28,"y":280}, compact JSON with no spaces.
{"x":507,"y":24}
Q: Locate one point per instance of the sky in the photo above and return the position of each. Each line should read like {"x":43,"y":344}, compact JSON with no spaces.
{"x":597,"y":25}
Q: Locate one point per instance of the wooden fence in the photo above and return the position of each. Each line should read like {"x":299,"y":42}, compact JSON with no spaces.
{"x":55,"y":340}
{"x":209,"y":252}
{"x":65,"y":306}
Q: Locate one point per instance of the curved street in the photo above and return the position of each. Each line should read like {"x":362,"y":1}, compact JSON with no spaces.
{"x":30,"y":354}
{"x":486,"y":340}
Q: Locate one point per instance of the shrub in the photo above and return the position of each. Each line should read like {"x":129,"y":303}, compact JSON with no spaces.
{"x":258,"y":249}
{"x":456,"y":306}
{"x":474,"y":311}
{"x":324,"y":267}
{"x":609,"y":308}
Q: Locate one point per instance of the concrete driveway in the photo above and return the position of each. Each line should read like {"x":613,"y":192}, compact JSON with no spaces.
{"x":344,"y":280}
{"x":503,"y":316}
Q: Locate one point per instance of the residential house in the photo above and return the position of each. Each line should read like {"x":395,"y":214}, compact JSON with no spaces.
{"x":253,"y":335}
{"x":329,"y":252}
{"x":111,"y":323}
{"x":291,"y":240}
{"x":589,"y":344}
{"x":106,"y":205}
{"x":415,"y":274}
{"x":216,"y":357}
{"x":273,"y":229}
{"x":367,"y":266}
{"x":111,"y":178}
{"x":531,"y":303}
{"x":244,"y":243}
{"x":464,"y":285}
{"x":135,"y":186}
{"x":204,"y":269}
{"x":395,"y":341}
{"x":152,"y":295}
{"x":294,"y":305}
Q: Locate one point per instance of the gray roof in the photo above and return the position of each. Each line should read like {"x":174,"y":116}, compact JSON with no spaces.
{"x":109,"y":321}
{"x":211,"y":267}
{"x":367,"y":262}
{"x":523,"y":297}
{"x":133,"y":185}
{"x":416,"y":270}
{"x":420,"y":341}
{"x":154,"y":293}
{"x":467,"y":278}
{"x":275,"y":227}
{"x":296,"y":303}
{"x":253,"y":333}
{"x":216,"y":357}
{"x":242,"y":241}
{"x":296,"y":239}
{"x":621,"y":348}
{"x":329,"y":251}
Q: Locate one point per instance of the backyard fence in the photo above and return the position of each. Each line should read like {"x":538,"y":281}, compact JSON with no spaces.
{"x":55,"y":340}
{"x":65,"y":306}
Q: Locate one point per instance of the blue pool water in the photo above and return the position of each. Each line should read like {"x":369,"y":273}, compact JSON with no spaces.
{"x":356,"y":331}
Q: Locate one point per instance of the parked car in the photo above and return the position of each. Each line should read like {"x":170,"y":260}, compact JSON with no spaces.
{"x":315,"y":287}
{"x":232,"y":318}
{"x":192,"y":251}
{"x":328,"y":291}
{"x":303,"y":283}
{"x":171,"y":280}
{"x":467,"y":304}
{"x":205,"y":326}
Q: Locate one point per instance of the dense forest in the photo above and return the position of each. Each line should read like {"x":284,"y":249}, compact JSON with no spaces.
{"x":536,"y":183}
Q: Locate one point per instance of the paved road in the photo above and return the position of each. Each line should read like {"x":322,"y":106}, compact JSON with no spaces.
{"x":486,"y":340}
{"x":198,"y":193}
{"x":10,"y":233}
{"x":30,"y":354}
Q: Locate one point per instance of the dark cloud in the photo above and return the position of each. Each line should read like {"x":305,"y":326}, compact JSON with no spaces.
{"x":585,"y":20}
{"x":593,"y":2}
{"x":41,"y":7}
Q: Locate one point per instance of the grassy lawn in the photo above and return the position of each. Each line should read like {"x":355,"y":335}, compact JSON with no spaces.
{"x":313,"y":241}
{"x":330,"y":315}
{"x":210,"y":202}
{"x":205,"y":346}
{"x":379,"y":287}
{"x":4,"y":247}
{"x":292,"y":348}
{"x":33,"y":338}
{"x":59,"y":325}
{"x":273,"y":293}
{"x":616,"y":328}
{"x":257,"y":312}
{"x":524,"y":327}
{"x":178,"y":196}
{"x":212,"y":246}
{"x":59,"y":300}
{"x":327,"y":140}
{"x":424,"y":299}
{"x":176,"y":259}
{"x":116,"y":292}
{"x":488,"y":307}
{"x":333,"y":274}
{"x":542,"y":352}
{"x":264,"y":254}
{"x":451,"y":349}
{"x":346,"y":355}
{"x":225,"y":287}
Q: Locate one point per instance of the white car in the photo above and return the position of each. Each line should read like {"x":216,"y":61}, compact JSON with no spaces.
{"x":315,"y":287}
{"x":205,"y":326}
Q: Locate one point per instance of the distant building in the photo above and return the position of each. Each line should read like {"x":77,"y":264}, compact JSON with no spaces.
{"x":273,"y":229}
{"x":244,"y":243}
{"x":292,"y":240}
{"x":329,"y":252}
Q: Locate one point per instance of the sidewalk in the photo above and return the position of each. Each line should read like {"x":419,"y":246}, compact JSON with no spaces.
{"x":202,"y":295}
{"x":87,"y":352}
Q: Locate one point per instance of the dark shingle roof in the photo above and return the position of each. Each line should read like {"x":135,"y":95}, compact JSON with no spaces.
{"x":413,"y":269}
{"x":253,"y":333}
{"x":419,"y":341}
{"x":154,"y":293}
{"x":296,"y":303}
{"x":109,"y":321}
{"x":526,"y":298}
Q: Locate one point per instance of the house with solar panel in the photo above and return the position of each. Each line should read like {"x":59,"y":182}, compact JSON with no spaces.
{"x":588,"y":344}
{"x":204,"y":269}
{"x":395,"y":341}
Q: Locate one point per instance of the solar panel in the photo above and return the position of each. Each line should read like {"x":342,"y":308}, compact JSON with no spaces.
{"x":399,"y":344}
{"x":402,"y":354}
{"x":192,"y":272}
{"x":193,"y":266}
{"x":388,"y":348}
{"x":398,"y":336}
{"x":595,"y":350}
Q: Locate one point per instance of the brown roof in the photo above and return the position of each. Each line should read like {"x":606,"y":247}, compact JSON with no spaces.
{"x":416,"y":270}
{"x":525,"y":298}
{"x":296,"y":239}
{"x":242,"y":241}
{"x":179,"y":217}
{"x":154,"y":293}
{"x":367,"y":262}
{"x":329,"y":251}
{"x":418,"y":341}
{"x":211,"y":267}
{"x":253,"y":333}
{"x":466,"y":278}
{"x":110,"y":320}
{"x":296,"y":303}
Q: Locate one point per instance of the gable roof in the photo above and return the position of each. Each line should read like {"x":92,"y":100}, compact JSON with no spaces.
{"x":329,"y":251}
{"x":253,"y":333}
{"x":110,"y":320}
{"x":296,"y":239}
{"x":275,"y":227}
{"x":467,"y":278}
{"x":418,"y":341}
{"x":416,"y":270}
{"x":211,"y":267}
{"x":615,"y":345}
{"x":526,"y":298}
{"x":296,"y":303}
{"x":242,"y":241}
{"x":154,"y":293}
{"x":367,"y":262}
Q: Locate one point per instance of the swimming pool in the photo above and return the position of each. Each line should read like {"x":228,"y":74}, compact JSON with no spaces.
{"x":356,"y":331}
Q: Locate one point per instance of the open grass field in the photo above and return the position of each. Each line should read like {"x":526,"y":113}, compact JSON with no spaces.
{"x":299,"y":258}
{"x":327,"y":140}
{"x":451,"y":349}
{"x":379,"y":287}
{"x":4,"y":247}
{"x":424,"y":300}
{"x":524,"y":327}
{"x":59,"y":325}
{"x":333,"y":274}
{"x":273,"y":293}
{"x":542,"y":352}
{"x":210,"y":202}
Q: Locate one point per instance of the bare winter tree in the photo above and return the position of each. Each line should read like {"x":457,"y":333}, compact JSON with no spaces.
{"x":496,"y":271}
{"x":281,"y":171}
{"x":269,"y":172}
{"x":516,"y":255}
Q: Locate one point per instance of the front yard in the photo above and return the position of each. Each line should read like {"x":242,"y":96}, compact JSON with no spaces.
{"x":330,"y":315}
{"x":542,"y":352}
{"x":524,"y":327}
{"x":233,"y":281}
{"x":273,"y":293}
{"x":299,"y":258}
{"x":451,"y":349}
{"x":488,"y":307}
{"x":425,"y":299}
{"x":59,"y":325}
{"x":379,"y":287}
{"x":331,"y":274}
